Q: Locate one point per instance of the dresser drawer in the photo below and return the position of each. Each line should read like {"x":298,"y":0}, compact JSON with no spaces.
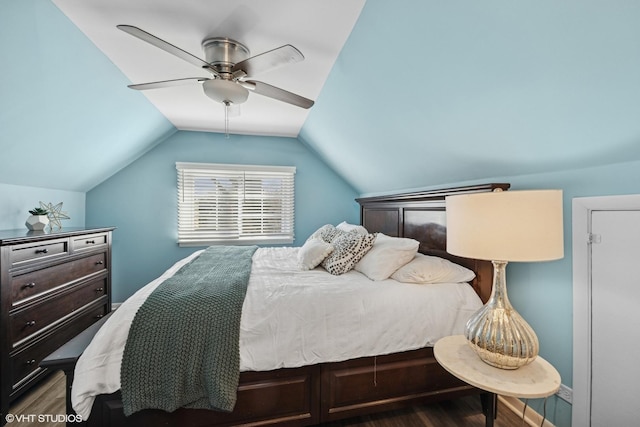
{"x":24,"y":287}
{"x":89,"y":241}
{"x":30,"y":252}
{"x":26,"y":323}
{"x":25,"y":363}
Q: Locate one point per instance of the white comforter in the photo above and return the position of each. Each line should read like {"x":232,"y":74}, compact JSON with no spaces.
{"x":293,"y":318}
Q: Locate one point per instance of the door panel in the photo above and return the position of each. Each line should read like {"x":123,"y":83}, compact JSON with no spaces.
{"x":615,"y":317}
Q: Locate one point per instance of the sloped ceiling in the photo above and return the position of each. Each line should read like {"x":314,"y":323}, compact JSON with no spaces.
{"x":318,"y":28}
{"x":429,"y":92}
{"x":67,"y":119}
{"x":423,"y":93}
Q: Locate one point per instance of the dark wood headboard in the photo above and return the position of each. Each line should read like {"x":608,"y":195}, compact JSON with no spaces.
{"x":422,"y":216}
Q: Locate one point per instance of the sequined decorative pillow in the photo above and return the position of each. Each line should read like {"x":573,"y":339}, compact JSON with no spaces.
{"x":327,"y":233}
{"x":349,"y":248}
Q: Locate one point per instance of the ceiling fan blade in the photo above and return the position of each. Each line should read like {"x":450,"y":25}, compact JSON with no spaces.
{"x":277,"y":93}
{"x":166,"y":46}
{"x":266,"y":61}
{"x":167,"y":83}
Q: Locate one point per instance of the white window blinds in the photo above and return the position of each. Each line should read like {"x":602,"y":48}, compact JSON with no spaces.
{"x":234,"y":204}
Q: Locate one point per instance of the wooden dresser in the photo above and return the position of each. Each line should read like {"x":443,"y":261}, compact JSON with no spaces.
{"x":54,"y":284}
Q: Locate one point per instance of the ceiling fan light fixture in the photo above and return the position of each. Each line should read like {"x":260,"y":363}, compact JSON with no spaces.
{"x":225,"y":91}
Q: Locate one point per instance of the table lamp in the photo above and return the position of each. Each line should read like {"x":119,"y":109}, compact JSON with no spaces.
{"x":502,"y":227}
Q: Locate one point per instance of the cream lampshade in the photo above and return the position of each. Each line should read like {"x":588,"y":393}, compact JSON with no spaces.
{"x":504,"y":226}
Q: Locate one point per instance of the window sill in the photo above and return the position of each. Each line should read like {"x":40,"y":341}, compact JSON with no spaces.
{"x":237,"y":242}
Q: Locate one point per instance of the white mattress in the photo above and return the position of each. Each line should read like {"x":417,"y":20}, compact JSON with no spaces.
{"x":293,"y":318}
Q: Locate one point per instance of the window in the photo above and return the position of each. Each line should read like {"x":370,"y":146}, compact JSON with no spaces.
{"x":234,"y":204}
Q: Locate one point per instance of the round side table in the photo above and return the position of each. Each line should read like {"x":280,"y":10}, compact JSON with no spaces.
{"x":536,"y":380}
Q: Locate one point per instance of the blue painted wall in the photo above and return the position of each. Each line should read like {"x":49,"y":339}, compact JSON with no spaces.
{"x":17,"y":200}
{"x":141,"y":200}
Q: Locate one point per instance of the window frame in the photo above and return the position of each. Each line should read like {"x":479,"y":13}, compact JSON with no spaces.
{"x":241,"y":207}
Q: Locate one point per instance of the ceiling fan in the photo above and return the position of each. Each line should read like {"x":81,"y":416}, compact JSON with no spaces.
{"x":230,"y":67}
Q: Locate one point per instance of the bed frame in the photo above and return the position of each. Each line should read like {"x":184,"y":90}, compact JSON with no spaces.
{"x":330,"y":391}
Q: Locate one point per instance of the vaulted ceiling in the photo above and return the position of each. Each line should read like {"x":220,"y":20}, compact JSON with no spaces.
{"x":415,"y":93}
{"x":258,"y":25}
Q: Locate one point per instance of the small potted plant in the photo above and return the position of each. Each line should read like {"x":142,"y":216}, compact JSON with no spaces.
{"x":38,"y":220}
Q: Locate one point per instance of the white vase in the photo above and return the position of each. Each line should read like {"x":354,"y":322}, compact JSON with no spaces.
{"x":37,"y":222}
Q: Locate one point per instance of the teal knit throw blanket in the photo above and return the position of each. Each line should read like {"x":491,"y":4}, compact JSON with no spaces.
{"x":183,"y":346}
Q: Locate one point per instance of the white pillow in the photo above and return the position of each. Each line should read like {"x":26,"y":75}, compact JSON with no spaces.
{"x":432,"y":269}
{"x":313,"y":252}
{"x":386,"y":256}
{"x":345,"y":226}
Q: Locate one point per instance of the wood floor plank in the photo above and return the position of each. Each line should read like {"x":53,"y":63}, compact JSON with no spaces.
{"x":48,"y":399}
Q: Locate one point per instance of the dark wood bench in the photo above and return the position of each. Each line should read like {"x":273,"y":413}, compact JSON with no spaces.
{"x":65,"y":358}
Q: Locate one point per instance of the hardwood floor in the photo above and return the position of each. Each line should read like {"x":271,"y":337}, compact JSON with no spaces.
{"x":49,"y":399}
{"x":465,"y":412}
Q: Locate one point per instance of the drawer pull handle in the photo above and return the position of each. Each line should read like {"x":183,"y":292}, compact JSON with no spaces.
{"x":99,"y":262}
{"x":30,"y":323}
{"x":31,"y":362}
{"x":42,"y":251}
{"x":99,"y":316}
{"x":29,"y":285}
{"x":99,"y":289}
{"x":90,"y":242}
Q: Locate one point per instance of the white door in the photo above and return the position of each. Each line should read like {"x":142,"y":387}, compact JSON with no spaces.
{"x":615,"y":317}
{"x":606,"y":310}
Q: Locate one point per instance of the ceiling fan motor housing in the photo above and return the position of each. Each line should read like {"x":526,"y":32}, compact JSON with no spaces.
{"x":223,"y":53}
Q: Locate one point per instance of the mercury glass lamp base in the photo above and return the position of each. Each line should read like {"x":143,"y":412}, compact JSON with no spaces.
{"x":497,"y":333}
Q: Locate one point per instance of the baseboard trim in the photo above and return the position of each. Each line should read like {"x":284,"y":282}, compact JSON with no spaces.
{"x":531,"y":417}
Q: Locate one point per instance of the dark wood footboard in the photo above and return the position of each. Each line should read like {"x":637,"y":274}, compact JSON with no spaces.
{"x":310,"y":395}
{"x":374,"y":384}
{"x":286,"y":397}
{"x":305,"y":396}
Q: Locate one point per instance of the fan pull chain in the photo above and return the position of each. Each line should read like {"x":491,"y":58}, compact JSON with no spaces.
{"x":226,"y":119}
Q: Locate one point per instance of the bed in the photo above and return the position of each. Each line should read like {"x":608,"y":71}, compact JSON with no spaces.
{"x":308,"y":393}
